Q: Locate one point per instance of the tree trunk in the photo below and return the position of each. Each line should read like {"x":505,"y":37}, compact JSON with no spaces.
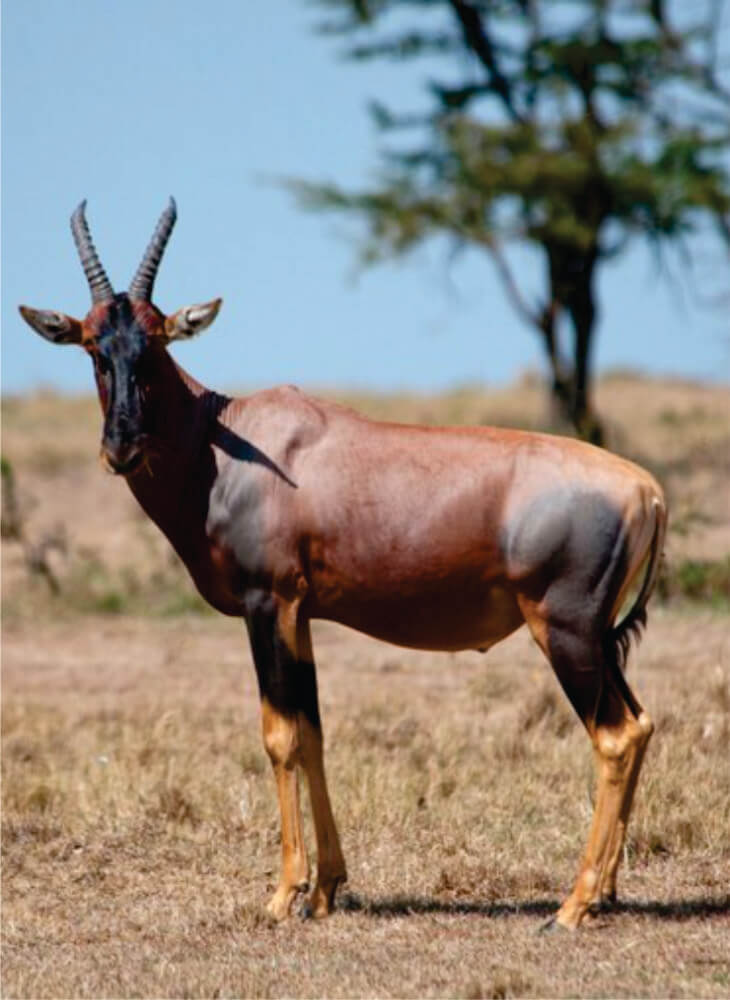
{"x":583,"y":418}
{"x":569,"y":389}
{"x":571,"y":280}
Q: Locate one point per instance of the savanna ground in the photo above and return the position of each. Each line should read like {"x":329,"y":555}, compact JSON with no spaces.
{"x":140,"y":828}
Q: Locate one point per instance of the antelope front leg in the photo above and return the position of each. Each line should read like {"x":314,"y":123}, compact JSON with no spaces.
{"x":293,"y":736}
{"x":281,"y":739}
{"x":331,"y":869}
{"x":280,"y":710}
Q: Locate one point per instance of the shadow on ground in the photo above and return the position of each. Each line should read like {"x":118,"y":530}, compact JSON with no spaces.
{"x":400,"y":906}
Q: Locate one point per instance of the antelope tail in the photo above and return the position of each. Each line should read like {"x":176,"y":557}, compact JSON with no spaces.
{"x":619,"y":638}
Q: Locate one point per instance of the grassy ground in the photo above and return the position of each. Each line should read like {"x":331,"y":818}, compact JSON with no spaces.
{"x":140,"y":829}
{"x":141,"y":832}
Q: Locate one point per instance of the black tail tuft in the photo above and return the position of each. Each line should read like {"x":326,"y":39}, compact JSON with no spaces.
{"x":619,"y":638}
{"x":616,"y":650}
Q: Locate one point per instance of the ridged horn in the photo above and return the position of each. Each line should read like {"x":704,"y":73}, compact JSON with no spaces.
{"x":101,"y":287}
{"x":144,"y":279}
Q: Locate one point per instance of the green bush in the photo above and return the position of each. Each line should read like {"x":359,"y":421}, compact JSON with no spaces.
{"x":698,"y":580}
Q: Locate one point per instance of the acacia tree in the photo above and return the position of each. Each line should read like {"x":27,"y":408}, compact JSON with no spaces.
{"x":574,"y":125}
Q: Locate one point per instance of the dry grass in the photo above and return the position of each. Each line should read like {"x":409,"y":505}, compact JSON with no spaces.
{"x":140,"y":832}
{"x":140,"y":829}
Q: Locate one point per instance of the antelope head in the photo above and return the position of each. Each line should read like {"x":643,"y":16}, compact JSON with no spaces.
{"x":124,"y":334}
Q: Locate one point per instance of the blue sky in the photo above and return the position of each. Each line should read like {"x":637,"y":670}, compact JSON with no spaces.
{"x":125,"y":103}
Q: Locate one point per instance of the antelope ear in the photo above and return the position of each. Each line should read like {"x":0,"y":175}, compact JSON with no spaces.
{"x":191,"y":320}
{"x":54,"y":326}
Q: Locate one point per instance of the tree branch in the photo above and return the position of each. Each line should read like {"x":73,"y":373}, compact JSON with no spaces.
{"x":480,"y":43}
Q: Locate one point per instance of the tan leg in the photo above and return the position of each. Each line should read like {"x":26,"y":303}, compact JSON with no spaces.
{"x":331,"y":869}
{"x":281,"y":739}
{"x":608,"y":886}
{"x":619,"y":730}
{"x":619,"y":741}
{"x":282,"y":651}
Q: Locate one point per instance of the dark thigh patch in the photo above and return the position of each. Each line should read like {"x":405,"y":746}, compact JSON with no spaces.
{"x":566,"y":547}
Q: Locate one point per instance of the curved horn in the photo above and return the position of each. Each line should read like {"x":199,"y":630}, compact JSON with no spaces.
{"x":144,"y":279}
{"x":101,"y":287}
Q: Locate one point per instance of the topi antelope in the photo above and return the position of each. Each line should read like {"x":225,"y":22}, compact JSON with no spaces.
{"x":285,"y":508}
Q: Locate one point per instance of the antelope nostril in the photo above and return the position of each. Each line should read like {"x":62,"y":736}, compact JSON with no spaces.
{"x":121,"y":461}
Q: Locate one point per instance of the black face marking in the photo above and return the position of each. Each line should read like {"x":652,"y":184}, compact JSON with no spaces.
{"x":119,"y":353}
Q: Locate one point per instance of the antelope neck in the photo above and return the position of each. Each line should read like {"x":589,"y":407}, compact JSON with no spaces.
{"x":171,"y":486}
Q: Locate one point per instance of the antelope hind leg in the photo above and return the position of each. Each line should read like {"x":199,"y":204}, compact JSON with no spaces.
{"x":608,"y":884}
{"x":619,"y":731}
{"x":619,"y":741}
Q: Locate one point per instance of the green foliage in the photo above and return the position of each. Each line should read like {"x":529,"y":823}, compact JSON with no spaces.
{"x":571,"y":116}
{"x":699,"y":580}
{"x":572,"y":127}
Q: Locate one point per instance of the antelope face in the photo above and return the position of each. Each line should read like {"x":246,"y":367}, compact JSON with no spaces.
{"x":124,"y":335}
{"x":122,"y":350}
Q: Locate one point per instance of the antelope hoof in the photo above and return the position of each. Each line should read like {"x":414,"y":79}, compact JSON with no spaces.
{"x":592,"y":917}
{"x":571,"y":917}
{"x":279,"y":906}
{"x":572,"y":913}
{"x":277,"y":909}
{"x":550,"y":926}
{"x":322,"y":900}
